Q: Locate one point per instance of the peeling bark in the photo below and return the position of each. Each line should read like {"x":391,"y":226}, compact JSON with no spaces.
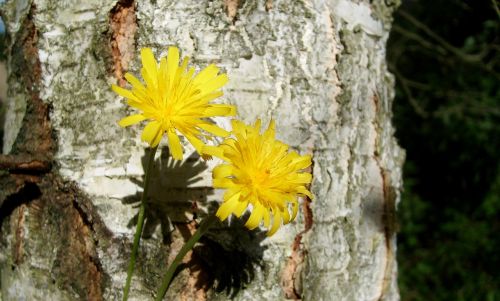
{"x":231,"y":7}
{"x":70,"y":178}
{"x":123,"y":25}
{"x":269,"y":5}
{"x":291,"y":280}
{"x":38,"y":197}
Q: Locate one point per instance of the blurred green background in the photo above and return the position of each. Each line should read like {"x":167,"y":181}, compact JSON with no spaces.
{"x":445,"y":55}
{"x":446,"y":59}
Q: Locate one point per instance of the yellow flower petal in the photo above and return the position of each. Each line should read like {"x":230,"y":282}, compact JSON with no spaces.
{"x":256,"y":216}
{"x":276,"y":223}
{"x":213,"y":151}
{"x":302,"y":162}
{"x":123,"y":92}
{"x":227,"y":207}
{"x":286,"y":216}
{"x":220,"y":110}
{"x":150,"y":132}
{"x":132,"y":119}
{"x":214,"y":84}
{"x":240,"y":208}
{"x":213,"y":129}
{"x":151,"y":83}
{"x":239,"y":128}
{"x":149,"y":62}
{"x":157,"y":139}
{"x":222,"y":171}
{"x":174,"y":145}
{"x":304,"y":191}
{"x":197,"y":143}
{"x":267,"y":218}
{"x":134,"y":81}
{"x":257,"y":124}
{"x":295,"y":209}
{"x":162,"y":72}
{"x":172,"y":64}
{"x":222,"y":183}
{"x":209,"y":72}
{"x":303,"y":178}
{"x":230,"y":192}
{"x":201,"y":99}
{"x":270,"y":132}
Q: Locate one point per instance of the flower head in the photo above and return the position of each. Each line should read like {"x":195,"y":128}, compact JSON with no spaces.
{"x":261,"y":172}
{"x":174,"y":100}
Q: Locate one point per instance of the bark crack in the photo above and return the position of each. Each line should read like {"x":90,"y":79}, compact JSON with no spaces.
{"x":390,"y":228}
{"x":23,"y":164}
{"x":389,"y":206}
{"x":86,"y":211}
{"x":291,"y":278}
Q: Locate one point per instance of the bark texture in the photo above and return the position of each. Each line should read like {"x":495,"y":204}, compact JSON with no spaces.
{"x":71,"y":179}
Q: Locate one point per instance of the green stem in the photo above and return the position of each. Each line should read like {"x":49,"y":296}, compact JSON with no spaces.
{"x":204,"y":226}
{"x":140,"y":223}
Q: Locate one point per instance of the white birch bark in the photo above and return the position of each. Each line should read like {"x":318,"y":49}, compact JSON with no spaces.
{"x":317,"y":67}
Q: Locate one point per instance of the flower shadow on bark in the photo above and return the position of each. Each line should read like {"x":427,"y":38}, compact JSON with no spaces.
{"x":171,"y":198}
{"x":227,"y":257}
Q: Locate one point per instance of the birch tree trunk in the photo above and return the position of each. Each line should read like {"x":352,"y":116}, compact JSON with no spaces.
{"x":71,"y":179}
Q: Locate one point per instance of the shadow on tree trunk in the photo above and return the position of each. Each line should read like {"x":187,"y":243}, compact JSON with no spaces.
{"x":227,"y":257}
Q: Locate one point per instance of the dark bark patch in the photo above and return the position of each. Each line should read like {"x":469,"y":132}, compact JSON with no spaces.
{"x":75,"y":233}
{"x":77,"y":264}
{"x":389,"y":221}
{"x":23,"y":164}
{"x":56,"y":224}
{"x":25,"y":193}
{"x":45,"y":214}
{"x":35,"y":141}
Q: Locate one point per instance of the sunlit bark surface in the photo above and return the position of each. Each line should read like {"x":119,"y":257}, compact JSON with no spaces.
{"x":71,"y":179}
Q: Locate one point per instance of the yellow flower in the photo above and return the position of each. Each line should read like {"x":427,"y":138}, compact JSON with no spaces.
{"x":261,"y":172}
{"x":174,"y":101}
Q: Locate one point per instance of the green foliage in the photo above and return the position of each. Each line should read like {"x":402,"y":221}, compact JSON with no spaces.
{"x":447,"y":113}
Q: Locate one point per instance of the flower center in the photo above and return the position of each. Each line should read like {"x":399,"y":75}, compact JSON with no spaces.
{"x":260,"y":178}
{"x":165,"y":116}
